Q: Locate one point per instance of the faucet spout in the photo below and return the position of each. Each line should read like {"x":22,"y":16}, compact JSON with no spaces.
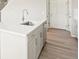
{"x":25,"y":13}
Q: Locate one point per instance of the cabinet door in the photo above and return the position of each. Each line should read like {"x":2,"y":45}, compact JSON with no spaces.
{"x":41,"y":39}
{"x":34,"y":44}
{"x":37,"y":44}
{"x":32,"y":49}
{"x":44,"y":32}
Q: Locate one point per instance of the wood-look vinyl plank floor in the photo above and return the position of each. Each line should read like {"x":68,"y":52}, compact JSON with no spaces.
{"x":59,"y":45}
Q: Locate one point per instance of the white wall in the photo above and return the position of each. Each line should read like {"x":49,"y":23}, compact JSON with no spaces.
{"x":12,"y":13}
{"x":48,"y":11}
{"x":74,"y":31}
{"x":75,"y":3}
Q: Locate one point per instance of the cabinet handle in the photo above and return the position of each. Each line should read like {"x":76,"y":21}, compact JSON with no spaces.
{"x":41,"y":35}
{"x":32,"y":35}
{"x":36,"y":41}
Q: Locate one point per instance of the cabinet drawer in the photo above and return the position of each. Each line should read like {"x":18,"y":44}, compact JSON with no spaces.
{"x":34,"y":33}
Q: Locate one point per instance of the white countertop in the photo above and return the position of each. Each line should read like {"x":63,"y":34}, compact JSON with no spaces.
{"x":19,"y":29}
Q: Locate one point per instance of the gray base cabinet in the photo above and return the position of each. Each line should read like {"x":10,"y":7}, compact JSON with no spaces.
{"x":36,"y":42}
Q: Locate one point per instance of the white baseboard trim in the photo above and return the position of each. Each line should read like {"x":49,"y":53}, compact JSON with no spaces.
{"x":59,"y":28}
{"x":73,"y":35}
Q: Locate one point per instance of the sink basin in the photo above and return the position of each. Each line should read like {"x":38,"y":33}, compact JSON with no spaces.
{"x":28,"y":23}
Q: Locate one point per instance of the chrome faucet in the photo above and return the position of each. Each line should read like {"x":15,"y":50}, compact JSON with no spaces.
{"x":25,"y":13}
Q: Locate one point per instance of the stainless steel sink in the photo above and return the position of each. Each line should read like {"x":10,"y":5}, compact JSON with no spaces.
{"x":28,"y":23}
